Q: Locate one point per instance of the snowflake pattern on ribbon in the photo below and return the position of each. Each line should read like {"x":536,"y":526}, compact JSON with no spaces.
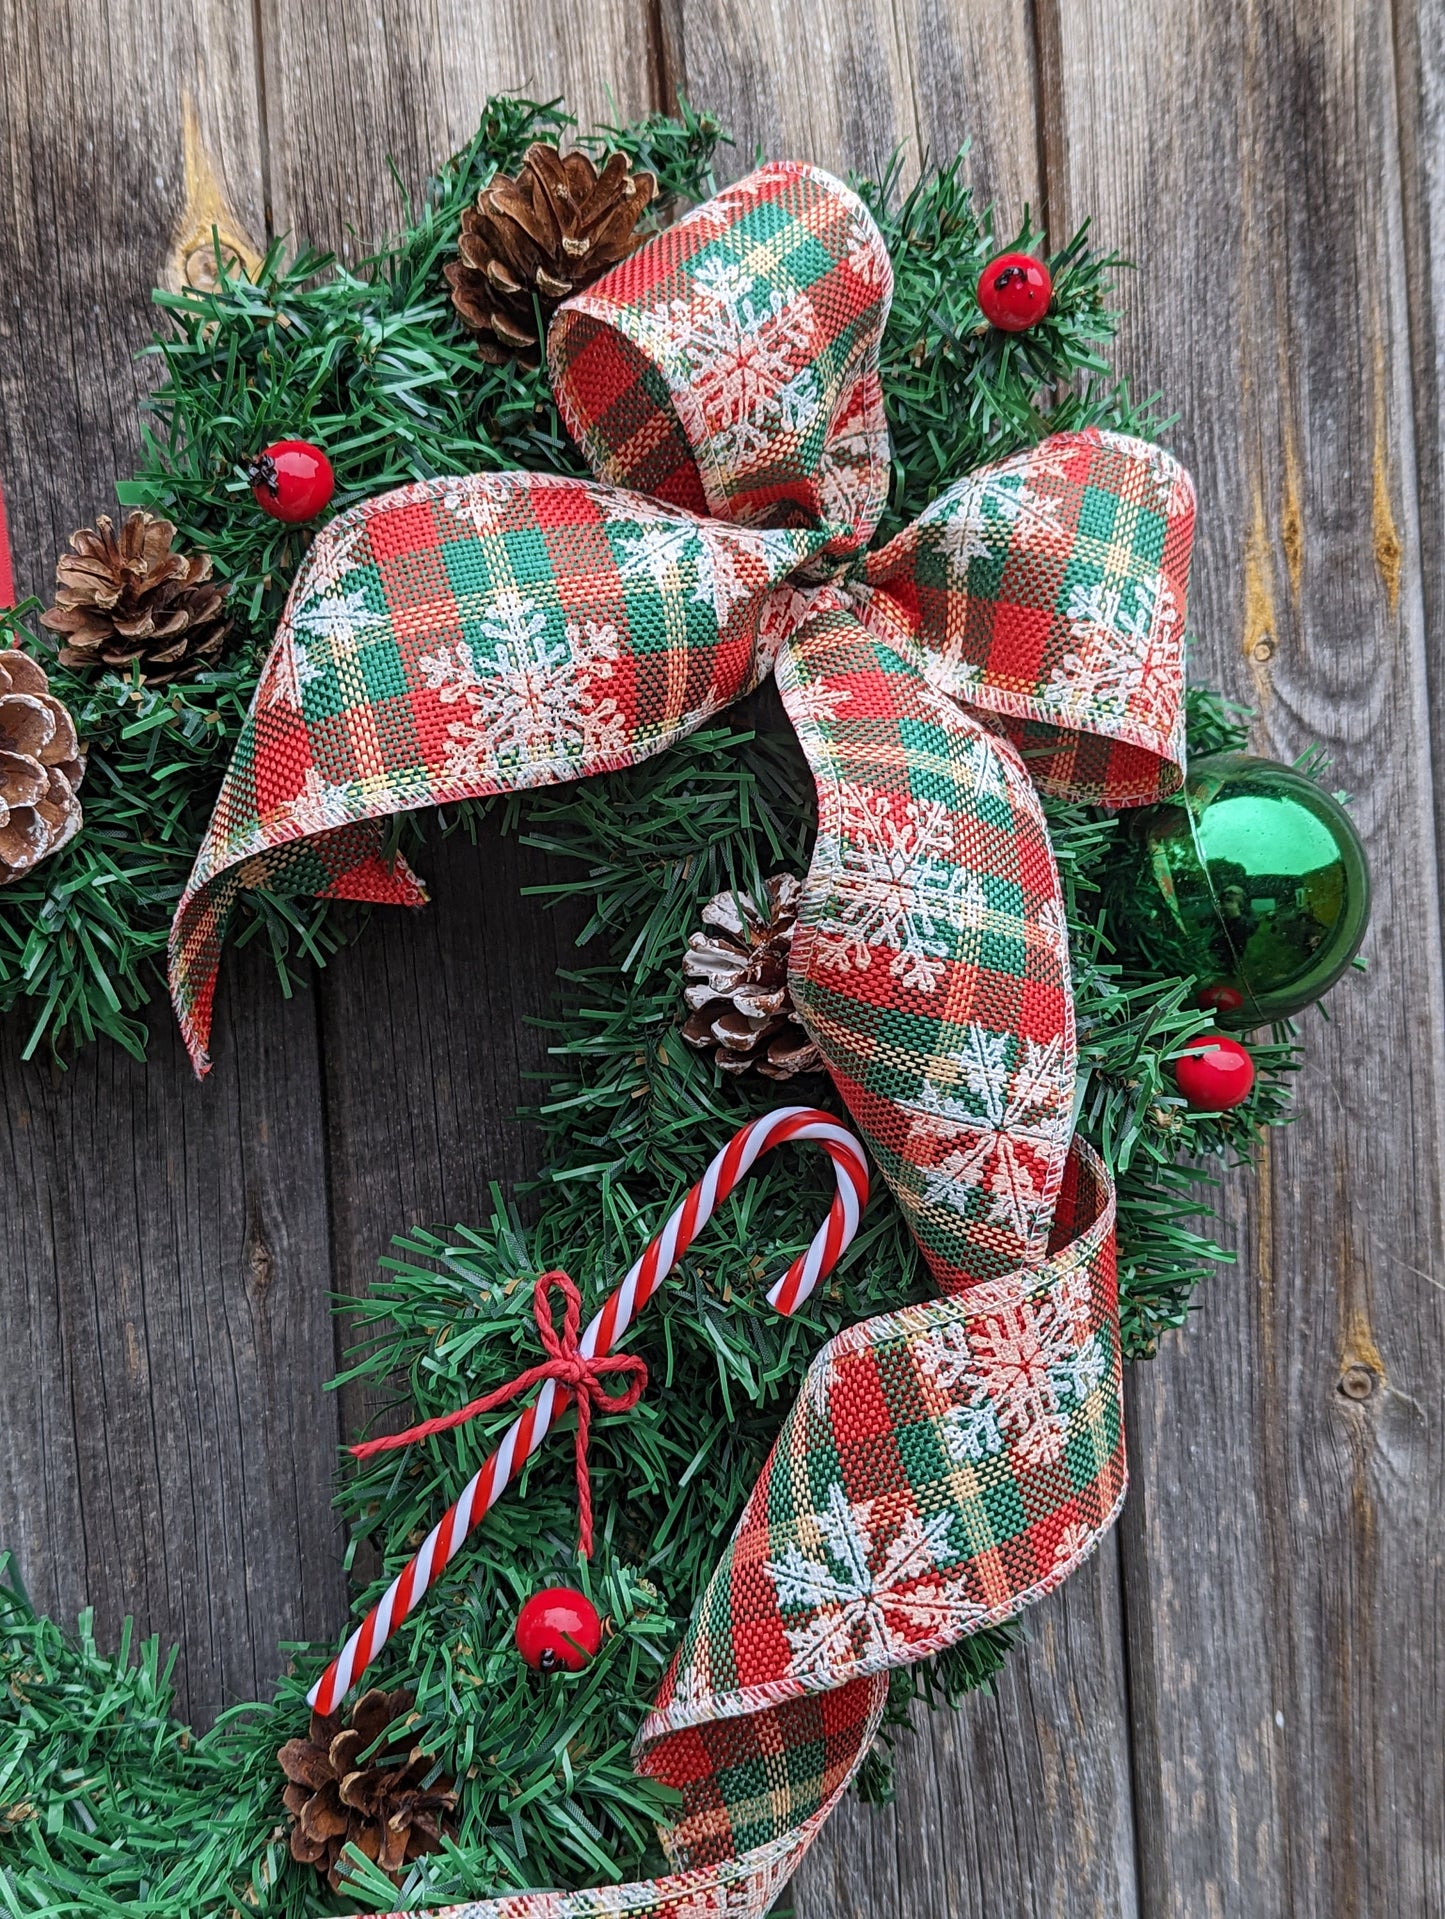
{"x":534,"y":708}
{"x":744,"y":350}
{"x":1020,"y":528}
{"x":1020,"y":1367}
{"x":479,"y":501}
{"x":669,"y":554}
{"x":868,"y":1604}
{"x":901,"y":890}
{"x":1125,"y":646}
{"x":1002,"y":1138}
{"x":338,"y":618}
{"x":993,"y":512}
{"x":292,"y":671}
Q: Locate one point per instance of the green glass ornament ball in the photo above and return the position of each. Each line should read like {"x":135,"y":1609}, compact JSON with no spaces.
{"x":1254,"y":881}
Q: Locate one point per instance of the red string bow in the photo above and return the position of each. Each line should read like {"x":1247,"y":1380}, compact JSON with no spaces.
{"x":578,"y":1374}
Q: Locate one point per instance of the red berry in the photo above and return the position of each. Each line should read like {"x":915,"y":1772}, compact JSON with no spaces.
{"x":1219,"y":999}
{"x":558,"y":1627}
{"x":1014,"y":291}
{"x":1214,"y":1073}
{"x":292,"y":480}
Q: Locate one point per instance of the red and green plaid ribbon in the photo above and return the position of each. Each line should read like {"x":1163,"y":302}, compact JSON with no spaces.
{"x":945,"y":1464}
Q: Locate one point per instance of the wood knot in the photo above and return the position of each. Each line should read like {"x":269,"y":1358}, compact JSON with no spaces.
{"x":260,"y":1263}
{"x":199,"y":269}
{"x":1362,"y":1369}
{"x":1356,"y":1382}
{"x":206,"y":225}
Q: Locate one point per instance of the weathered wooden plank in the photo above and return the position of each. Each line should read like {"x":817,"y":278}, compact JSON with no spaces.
{"x":811,"y":82}
{"x":1019,"y":1804}
{"x":976,"y":74}
{"x":1420,"y":55}
{"x":850,"y":86}
{"x":430,"y":1048}
{"x":164,"y":1315}
{"x":167,"y":1448}
{"x":348,"y":89}
{"x":427,"y":1043}
{"x":1282,"y":1546}
{"x":91,"y":127}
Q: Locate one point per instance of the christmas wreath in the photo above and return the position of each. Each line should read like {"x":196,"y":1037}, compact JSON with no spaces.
{"x":840,"y":436}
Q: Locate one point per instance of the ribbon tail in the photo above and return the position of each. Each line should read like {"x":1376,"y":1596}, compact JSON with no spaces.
{"x":345,"y":863}
{"x":913,"y":1497}
{"x":853,"y":1557}
{"x":931,"y":961}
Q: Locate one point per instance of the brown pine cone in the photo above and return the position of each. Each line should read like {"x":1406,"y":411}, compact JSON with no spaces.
{"x":387,"y":1804}
{"x":741,"y":1009}
{"x":128,"y":596}
{"x":531,"y":241}
{"x":41,"y":765}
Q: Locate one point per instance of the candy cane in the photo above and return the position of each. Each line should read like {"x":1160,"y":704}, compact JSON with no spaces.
{"x":607,"y":1326}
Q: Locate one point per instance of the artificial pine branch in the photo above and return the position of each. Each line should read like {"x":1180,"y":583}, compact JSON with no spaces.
{"x":372,"y":364}
{"x":108,"y":1806}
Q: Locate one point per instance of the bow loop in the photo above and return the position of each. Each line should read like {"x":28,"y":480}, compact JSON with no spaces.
{"x":1049,"y":589}
{"x":477,"y":635}
{"x":731,"y":366}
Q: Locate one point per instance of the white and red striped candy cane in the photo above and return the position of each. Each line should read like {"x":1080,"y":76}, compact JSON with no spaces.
{"x":604,"y":1330}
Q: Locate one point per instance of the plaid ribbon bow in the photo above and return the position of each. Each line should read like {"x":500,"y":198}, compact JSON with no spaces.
{"x":944,"y":1464}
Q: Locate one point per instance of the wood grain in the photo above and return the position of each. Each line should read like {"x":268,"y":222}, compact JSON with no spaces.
{"x":165,"y":1249}
{"x":975,"y":79}
{"x":350,"y":89}
{"x":1420,"y":74}
{"x":94,"y":186}
{"x":806,"y":81}
{"x":1281,"y":1546}
{"x":848,"y":87}
{"x":167,"y":1448}
{"x":433,"y":1040}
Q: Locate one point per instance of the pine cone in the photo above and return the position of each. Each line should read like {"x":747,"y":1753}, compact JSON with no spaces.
{"x":382,"y":1804}
{"x":40,"y":767}
{"x":741,"y":1007}
{"x":128,"y":596}
{"x":530,"y":242}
